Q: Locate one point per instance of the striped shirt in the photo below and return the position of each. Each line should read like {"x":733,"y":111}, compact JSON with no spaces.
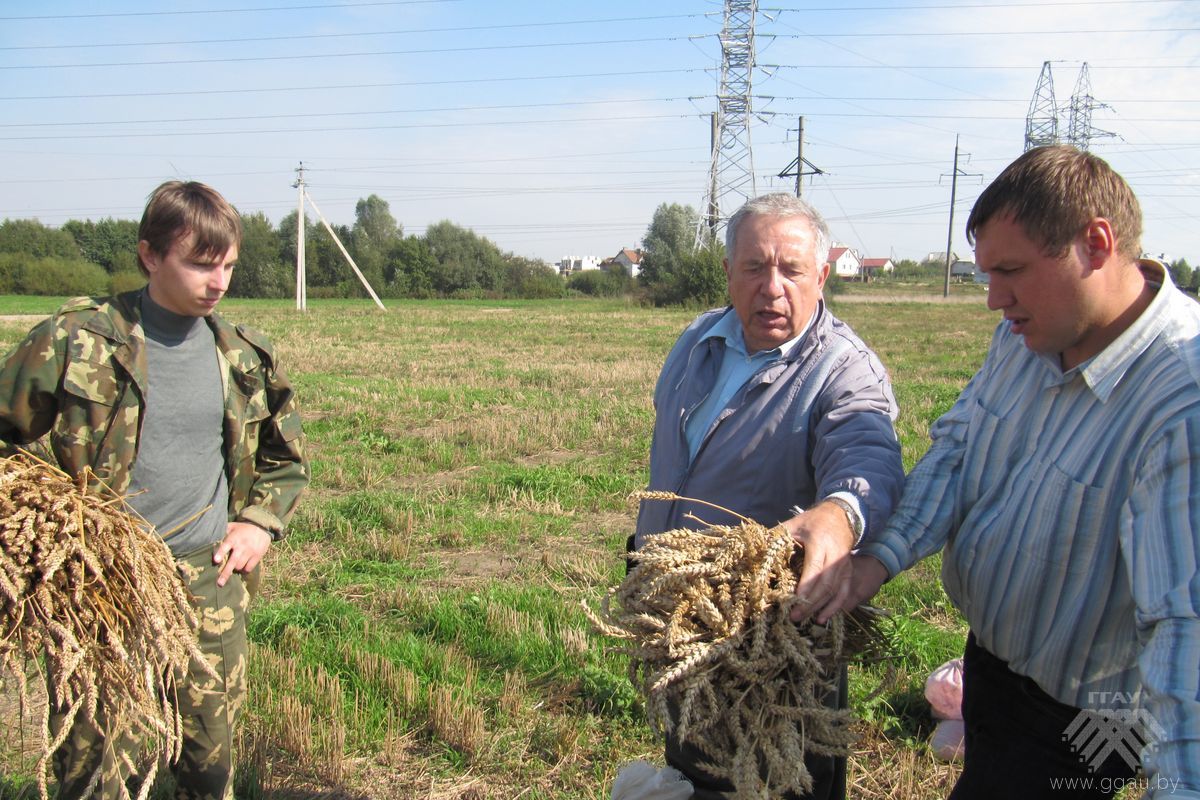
{"x":1068,"y":504}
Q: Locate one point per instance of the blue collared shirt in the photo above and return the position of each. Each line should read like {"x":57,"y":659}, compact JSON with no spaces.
{"x":1068,"y":504}
{"x":737,"y":367}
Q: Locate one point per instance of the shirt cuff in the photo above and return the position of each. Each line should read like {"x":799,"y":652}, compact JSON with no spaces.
{"x":257,"y":515}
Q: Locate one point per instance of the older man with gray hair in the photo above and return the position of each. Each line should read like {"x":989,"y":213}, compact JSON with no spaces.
{"x":773,"y":408}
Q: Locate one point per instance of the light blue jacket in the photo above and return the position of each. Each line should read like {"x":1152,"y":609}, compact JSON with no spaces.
{"x":816,"y":421}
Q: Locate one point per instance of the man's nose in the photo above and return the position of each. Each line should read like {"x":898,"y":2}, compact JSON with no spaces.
{"x":219,"y":281}
{"x":997,"y":296}
{"x":772,"y":283}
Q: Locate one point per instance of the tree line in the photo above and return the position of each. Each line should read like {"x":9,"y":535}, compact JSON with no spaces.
{"x":86,"y":257}
{"x":681,"y":262}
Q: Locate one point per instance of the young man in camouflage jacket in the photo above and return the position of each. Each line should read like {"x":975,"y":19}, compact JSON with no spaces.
{"x":216,"y":462}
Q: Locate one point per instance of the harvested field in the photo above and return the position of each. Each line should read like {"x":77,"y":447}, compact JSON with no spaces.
{"x":473,"y":462}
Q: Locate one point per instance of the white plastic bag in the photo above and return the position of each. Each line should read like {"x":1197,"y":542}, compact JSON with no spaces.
{"x":943,"y":690}
{"x":639,"y":780}
{"x":947,"y":740}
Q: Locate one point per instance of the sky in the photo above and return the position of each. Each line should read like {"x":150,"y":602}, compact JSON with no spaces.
{"x":557,"y":128}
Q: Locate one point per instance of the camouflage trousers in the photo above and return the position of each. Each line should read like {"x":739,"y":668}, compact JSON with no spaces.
{"x":89,"y":767}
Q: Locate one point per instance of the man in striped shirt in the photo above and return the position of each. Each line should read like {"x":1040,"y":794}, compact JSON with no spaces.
{"x":1064,"y":487}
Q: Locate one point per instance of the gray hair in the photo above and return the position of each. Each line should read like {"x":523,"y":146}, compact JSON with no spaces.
{"x":780,"y":204}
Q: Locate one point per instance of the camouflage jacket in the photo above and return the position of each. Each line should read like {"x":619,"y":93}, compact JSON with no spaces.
{"x":80,"y":375}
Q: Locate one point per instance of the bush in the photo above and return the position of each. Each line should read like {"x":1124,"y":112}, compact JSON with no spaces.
{"x":126,"y":281}
{"x":698,"y":279}
{"x":599,"y":283}
{"x":21,"y":274}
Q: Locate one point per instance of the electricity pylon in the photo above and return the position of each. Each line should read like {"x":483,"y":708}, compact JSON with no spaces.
{"x":731,"y":174}
{"x":1079,"y":130}
{"x":1041,"y":124}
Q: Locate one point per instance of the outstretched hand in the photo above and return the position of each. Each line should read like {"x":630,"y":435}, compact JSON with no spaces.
{"x":868,"y":576}
{"x":824,"y":583}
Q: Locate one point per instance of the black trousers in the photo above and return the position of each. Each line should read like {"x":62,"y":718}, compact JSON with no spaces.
{"x":1017,"y":743}
{"x":828,"y":772}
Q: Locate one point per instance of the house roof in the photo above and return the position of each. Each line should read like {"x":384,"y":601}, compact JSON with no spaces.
{"x":876,"y":262}
{"x":634,"y":256}
{"x":836,"y":252}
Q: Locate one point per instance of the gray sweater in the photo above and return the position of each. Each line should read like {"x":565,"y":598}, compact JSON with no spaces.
{"x":180,"y":466}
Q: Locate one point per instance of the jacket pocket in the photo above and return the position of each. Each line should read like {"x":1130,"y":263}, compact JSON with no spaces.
{"x":89,"y":394}
{"x":90,"y":381}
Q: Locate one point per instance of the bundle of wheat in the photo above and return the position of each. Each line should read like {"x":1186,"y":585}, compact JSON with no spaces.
{"x":92,"y":608}
{"x":705,"y":618}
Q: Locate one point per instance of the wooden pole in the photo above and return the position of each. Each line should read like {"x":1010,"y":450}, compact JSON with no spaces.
{"x":342,"y":247}
{"x":301,"y":271}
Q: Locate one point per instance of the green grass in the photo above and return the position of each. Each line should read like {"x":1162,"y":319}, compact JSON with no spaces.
{"x":421,"y":629}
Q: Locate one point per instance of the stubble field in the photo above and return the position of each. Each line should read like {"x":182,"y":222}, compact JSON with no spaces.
{"x":420,"y":635}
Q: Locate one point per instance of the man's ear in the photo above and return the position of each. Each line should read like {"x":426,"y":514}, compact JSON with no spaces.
{"x":1099,"y":242}
{"x":148,"y":256}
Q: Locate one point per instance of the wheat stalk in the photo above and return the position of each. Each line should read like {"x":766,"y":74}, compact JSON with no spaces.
{"x":704,"y":618}
{"x":94,"y":592}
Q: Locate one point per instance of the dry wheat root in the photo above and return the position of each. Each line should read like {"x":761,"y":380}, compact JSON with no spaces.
{"x":92,"y":608}
{"x":703,"y":616}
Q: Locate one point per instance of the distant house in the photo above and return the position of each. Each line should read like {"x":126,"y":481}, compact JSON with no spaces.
{"x":874,"y":267}
{"x":570,"y":264}
{"x":963,"y":270}
{"x":630,"y":259}
{"x":844,"y":263}
{"x":939,"y":257}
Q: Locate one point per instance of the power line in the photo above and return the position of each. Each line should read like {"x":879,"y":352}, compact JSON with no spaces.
{"x":890,"y":7}
{"x":958,"y":34}
{"x":364,"y":54}
{"x":176,"y":134}
{"x":312,"y":36}
{"x":323,"y":114}
{"x":223,"y":10}
{"x":624,"y":41}
{"x":343,"y":86}
{"x":952,"y":6}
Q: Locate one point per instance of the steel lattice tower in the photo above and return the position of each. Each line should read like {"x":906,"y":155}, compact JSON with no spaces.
{"x":731,"y":176}
{"x":1041,"y":124}
{"x":1079,"y":130}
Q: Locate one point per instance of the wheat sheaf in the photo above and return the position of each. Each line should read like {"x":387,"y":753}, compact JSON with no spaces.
{"x":704,"y":617}
{"x":93,"y":610}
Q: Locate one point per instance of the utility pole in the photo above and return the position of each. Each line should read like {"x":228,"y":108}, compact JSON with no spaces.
{"x":799,"y":153}
{"x":301,"y":277}
{"x":950,"y":232}
{"x":800,"y":161}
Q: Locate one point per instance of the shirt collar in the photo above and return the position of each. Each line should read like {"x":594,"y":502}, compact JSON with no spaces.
{"x":1105,"y":370}
{"x":729,"y":328}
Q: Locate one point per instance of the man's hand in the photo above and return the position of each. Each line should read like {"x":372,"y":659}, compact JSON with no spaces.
{"x":825,"y":535}
{"x":869,"y":576}
{"x":242,"y":548}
